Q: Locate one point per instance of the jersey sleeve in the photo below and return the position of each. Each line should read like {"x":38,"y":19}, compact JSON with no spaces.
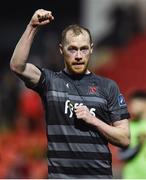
{"x":116,"y":103}
{"x":43,"y":84}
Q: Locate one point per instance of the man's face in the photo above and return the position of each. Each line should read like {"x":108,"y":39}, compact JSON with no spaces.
{"x":137,"y":107}
{"x":76,"y":52}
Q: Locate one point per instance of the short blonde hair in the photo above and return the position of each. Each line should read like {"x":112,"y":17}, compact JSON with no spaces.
{"x":77,"y":30}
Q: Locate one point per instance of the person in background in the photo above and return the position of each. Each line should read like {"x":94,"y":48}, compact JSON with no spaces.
{"x":134,"y":157}
{"x":84,"y":112}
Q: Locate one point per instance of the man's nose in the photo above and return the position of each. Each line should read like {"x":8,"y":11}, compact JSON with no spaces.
{"x":78,"y":55}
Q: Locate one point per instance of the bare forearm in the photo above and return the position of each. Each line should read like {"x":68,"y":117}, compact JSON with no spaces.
{"x":22,"y":49}
{"x":118,"y":136}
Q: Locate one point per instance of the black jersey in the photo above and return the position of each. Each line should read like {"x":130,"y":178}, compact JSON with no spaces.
{"x":77,"y":149}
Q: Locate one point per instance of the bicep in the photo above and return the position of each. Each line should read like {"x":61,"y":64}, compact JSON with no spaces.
{"x":30,"y":75}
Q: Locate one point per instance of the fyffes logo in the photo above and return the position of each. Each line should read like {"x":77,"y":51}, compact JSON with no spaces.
{"x":69,"y":108}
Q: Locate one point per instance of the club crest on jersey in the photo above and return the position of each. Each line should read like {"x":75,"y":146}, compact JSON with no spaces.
{"x":92,"y":90}
{"x":121,"y":100}
{"x":67,"y":85}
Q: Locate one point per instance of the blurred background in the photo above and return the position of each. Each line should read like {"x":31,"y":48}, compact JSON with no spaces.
{"x":118,"y":28}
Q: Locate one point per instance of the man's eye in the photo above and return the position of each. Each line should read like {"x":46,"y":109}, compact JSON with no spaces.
{"x":72,"y":50}
{"x":85,"y":50}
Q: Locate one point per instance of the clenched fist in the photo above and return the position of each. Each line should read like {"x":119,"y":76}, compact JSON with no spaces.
{"x":41,"y":17}
{"x":82,"y":112}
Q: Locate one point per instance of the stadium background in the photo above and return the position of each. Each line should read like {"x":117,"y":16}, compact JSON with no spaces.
{"x":119,"y":36}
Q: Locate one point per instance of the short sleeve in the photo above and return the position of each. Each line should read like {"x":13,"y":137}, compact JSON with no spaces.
{"x":40,"y":87}
{"x":116,"y":103}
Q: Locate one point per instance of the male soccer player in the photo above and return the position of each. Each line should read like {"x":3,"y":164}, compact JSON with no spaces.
{"x":83,"y":111}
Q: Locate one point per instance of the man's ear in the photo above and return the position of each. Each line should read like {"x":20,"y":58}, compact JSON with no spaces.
{"x":61,"y":48}
{"x":91,"y":47}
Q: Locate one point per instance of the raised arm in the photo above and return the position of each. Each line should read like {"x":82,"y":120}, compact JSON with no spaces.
{"x":18,"y":63}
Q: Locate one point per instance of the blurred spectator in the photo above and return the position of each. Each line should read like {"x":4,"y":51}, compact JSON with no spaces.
{"x":134,"y":156}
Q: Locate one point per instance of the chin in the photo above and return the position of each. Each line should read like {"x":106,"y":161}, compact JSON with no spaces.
{"x":79,"y":71}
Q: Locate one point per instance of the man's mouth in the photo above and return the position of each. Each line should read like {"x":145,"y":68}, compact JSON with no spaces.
{"x":78,"y":63}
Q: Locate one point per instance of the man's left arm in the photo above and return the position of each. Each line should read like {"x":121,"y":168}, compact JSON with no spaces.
{"x":117,"y":134}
